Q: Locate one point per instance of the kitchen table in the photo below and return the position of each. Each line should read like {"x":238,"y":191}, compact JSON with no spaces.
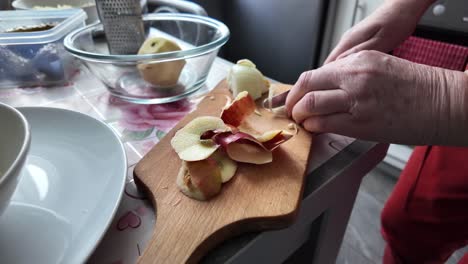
{"x":335,"y":171}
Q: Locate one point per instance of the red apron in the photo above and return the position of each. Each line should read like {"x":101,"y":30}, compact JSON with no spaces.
{"x":426,"y":217}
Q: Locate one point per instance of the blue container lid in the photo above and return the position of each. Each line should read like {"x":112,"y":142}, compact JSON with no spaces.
{"x":68,"y":20}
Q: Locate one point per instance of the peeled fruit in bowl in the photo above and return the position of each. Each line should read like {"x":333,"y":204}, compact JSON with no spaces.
{"x":160,"y":73}
{"x":157,"y":45}
{"x":187,"y":143}
{"x":200,"y":180}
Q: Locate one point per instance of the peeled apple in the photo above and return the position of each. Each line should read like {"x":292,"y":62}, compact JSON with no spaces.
{"x":244,"y":76}
{"x":200,"y":180}
{"x":160,"y":73}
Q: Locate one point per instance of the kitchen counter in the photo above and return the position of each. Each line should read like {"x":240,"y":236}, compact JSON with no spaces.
{"x":335,"y":171}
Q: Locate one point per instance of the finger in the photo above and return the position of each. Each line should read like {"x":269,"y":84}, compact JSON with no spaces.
{"x":372,"y":44}
{"x":335,"y":123}
{"x":321,"y":103}
{"x":275,"y":101}
{"x":346,"y":125}
{"x":351,"y":39}
{"x":320,"y":79}
{"x":339,"y":49}
{"x":345,"y":44}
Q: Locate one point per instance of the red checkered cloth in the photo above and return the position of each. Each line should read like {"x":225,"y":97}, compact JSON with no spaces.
{"x":433,"y":53}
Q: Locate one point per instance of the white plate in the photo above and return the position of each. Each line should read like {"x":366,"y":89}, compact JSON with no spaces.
{"x":69,"y":192}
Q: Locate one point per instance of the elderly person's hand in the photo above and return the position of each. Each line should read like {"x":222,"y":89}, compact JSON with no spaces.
{"x":383,"y":30}
{"x":375,"y":96}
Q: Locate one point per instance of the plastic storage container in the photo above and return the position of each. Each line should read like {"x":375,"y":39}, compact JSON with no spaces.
{"x":37,"y":58}
{"x":89,"y":6}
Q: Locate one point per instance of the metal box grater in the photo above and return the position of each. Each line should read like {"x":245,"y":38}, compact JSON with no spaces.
{"x":123,"y":25}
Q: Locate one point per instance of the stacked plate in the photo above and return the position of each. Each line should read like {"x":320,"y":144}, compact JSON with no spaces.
{"x":69,"y":189}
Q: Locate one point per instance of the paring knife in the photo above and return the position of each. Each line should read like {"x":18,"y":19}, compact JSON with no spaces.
{"x":276,"y":101}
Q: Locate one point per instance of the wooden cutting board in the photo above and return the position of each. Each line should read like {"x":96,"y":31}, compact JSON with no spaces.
{"x":259,"y":197}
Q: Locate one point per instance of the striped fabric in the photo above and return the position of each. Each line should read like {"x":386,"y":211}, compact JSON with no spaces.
{"x":433,"y":53}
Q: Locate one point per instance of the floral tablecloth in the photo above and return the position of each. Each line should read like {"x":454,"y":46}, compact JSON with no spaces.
{"x":140,"y":127}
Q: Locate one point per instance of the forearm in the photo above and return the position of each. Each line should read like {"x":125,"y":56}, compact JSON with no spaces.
{"x":421,"y":4}
{"x":416,"y":7}
{"x":454,"y":129}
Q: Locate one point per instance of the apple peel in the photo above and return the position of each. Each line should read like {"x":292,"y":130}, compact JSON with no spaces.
{"x":273,"y":139}
{"x":269,"y":140}
{"x":235,"y":112}
{"x":186,"y":142}
{"x":226,"y":138}
{"x":249,"y":153}
{"x":210,"y":146}
{"x":227,"y":166}
{"x":263,"y":145}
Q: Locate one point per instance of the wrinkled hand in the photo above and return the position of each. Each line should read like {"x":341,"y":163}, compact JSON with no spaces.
{"x":375,"y":96}
{"x":383,"y":30}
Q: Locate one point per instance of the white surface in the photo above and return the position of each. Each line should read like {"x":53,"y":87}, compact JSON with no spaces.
{"x":69,"y":191}
{"x":398,"y":155}
{"x":343,"y":20}
{"x":438,"y":10}
{"x":14,"y":146}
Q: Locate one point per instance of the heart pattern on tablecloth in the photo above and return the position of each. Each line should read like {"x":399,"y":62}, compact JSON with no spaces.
{"x":130,"y":219}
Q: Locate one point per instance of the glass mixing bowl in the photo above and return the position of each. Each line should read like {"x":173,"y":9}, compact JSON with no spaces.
{"x":135,"y":77}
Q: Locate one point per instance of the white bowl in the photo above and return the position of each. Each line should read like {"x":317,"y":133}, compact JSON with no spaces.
{"x":15,"y":138}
